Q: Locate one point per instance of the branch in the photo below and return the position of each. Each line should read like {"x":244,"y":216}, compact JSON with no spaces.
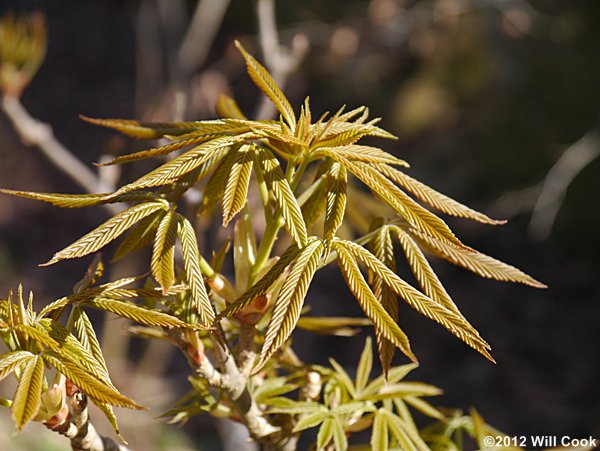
{"x":36,"y":133}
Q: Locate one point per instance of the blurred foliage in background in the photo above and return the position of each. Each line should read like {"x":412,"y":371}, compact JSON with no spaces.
{"x":486,"y":97}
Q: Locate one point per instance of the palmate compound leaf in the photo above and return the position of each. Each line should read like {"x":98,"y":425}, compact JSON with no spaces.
{"x":336,"y":200}
{"x":456,"y":324}
{"x":200,"y":304}
{"x":139,"y":236}
{"x":427,"y":278}
{"x":262,"y":79}
{"x":236,"y":189}
{"x":477,"y":262}
{"x":27,"y":399}
{"x":87,"y":336}
{"x":107,"y":232}
{"x":90,"y":385}
{"x":144,"y":130}
{"x":284,"y":195}
{"x":183,"y":164}
{"x":366,"y":154}
{"x":434,"y":198}
{"x":71,"y":200}
{"x":10,"y":361}
{"x":162,"y":263}
{"x":290,"y":300}
{"x":417,"y":216}
{"x":382,"y":321}
{"x":383,"y":248}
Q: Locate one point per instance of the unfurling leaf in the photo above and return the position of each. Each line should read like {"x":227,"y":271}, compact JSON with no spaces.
{"x":27,"y":400}
{"x":12,"y":360}
{"x":144,"y":130}
{"x":267,"y":85}
{"x":135,"y":313}
{"x":290,"y":300}
{"x":228,"y":108}
{"x":199,"y":302}
{"x":336,"y":199}
{"x":107,"y":232}
{"x":284,"y":195}
{"x":236,"y":189}
{"x":162,"y":263}
{"x":365,"y":364}
{"x":382,"y":321}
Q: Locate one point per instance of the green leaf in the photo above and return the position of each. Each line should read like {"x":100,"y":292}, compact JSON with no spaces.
{"x":244,"y":251}
{"x":395,"y":374}
{"x":228,"y":108}
{"x":107,"y":232}
{"x":379,"y":434}
{"x":420,"y":302}
{"x":162,"y":263}
{"x":144,"y":130}
{"x":476,"y":262}
{"x":382,"y":321}
{"x":325,"y":433}
{"x":284,"y":195}
{"x":291,"y":407}
{"x":90,"y":385}
{"x":108,"y":412}
{"x":182,"y":165}
{"x":365,"y":365}
{"x":310,"y":421}
{"x":27,"y":399}
{"x":343,"y":378}
{"x":135,"y":313}
{"x":236,"y":189}
{"x":201,"y":304}
{"x":339,"y":436}
{"x":332,"y":325}
{"x":87,"y":337}
{"x":263,"y":284}
{"x":215,"y":187}
{"x":336,"y":200}
{"x":424,"y":407}
{"x":290,"y":300}
{"x":436,"y":199}
{"x":267,"y":85}
{"x":402,"y":434}
{"x":12,"y":360}
{"x":402,"y":389}
{"x":140,"y":236}
{"x":383,"y":249}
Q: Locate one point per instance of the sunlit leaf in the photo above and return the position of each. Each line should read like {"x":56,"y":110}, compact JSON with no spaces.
{"x":108,"y":412}
{"x":284,"y":196}
{"x":162,"y":263}
{"x":290,"y":300}
{"x":310,"y":421}
{"x":201,"y":304}
{"x":267,"y":85}
{"x":27,"y":399}
{"x":339,"y":436}
{"x":379,"y":433}
{"x":336,"y":200}
{"x":72,"y":200}
{"x":228,"y":108}
{"x":332,"y":325}
{"x":107,"y":232}
{"x":144,"y":130}
{"x":236,"y":189}
{"x":325,"y":433}
{"x":135,"y":313}
{"x":365,"y":364}
{"x":11,"y":361}
{"x":139,"y":236}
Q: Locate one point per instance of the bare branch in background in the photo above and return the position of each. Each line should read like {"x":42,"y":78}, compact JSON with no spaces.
{"x":545,"y":198}
{"x":200,"y":35}
{"x":36,"y":133}
{"x":280,"y":61}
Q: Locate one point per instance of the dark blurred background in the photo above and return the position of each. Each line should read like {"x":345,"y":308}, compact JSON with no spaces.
{"x":496,"y":103}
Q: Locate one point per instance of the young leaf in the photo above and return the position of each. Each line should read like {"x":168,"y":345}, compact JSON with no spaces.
{"x":215,"y":187}
{"x":144,"y":130}
{"x":379,"y":434}
{"x":423,"y":271}
{"x":108,"y":412}
{"x":290,"y":300}
{"x":106,"y":232}
{"x":325,"y":433}
{"x":383,"y":249}
{"x":455,"y":324}
{"x":201,"y":304}
{"x":400,"y":433}
{"x":365,"y":365}
{"x":481,"y":264}
{"x":336,"y":199}
{"x":339,"y":436}
{"x":267,"y":85}
{"x":382,"y":321}
{"x":332,"y":325}
{"x":140,"y":236}
{"x":181,"y":165}
{"x":91,"y":386}
{"x":12,"y":360}
{"x":311,"y":420}
{"x":365,"y":154}
{"x":244,"y":251}
{"x":284,"y":196}
{"x":87,"y":337}
{"x":69,"y":200}
{"x":135,"y":313}
{"x":263,"y":284}
{"x":236,"y":189}
{"x":228,"y":108}
{"x":434,"y":198}
{"x":162,"y":263}
{"x":27,"y":399}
